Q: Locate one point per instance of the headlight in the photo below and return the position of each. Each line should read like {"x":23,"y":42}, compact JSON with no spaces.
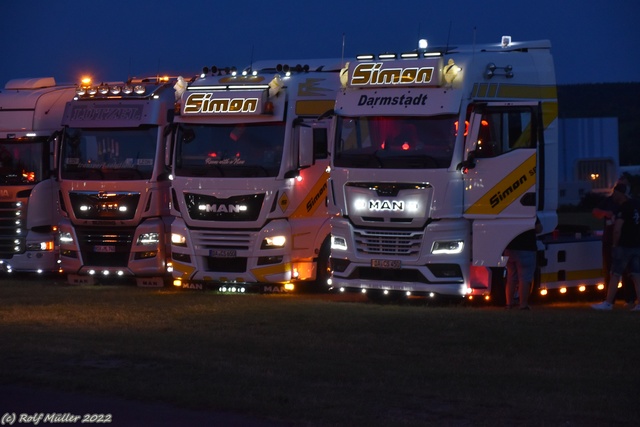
{"x":148,"y":239}
{"x":447,"y":247}
{"x":338,"y":243}
{"x":65,"y":237}
{"x":40,"y":246}
{"x":273,"y":242}
{"x":178,"y":239}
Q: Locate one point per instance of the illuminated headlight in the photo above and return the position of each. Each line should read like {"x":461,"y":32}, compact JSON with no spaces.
{"x":178,"y":239}
{"x":116,"y":90}
{"x":40,"y":246}
{"x":127,"y":90}
{"x":273,"y":242}
{"x":65,"y":237}
{"x":148,"y":239}
{"x":447,"y":247}
{"x":139,"y":89}
{"x":338,"y":243}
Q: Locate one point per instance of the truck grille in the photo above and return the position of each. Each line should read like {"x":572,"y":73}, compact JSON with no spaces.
{"x":105,"y":248}
{"x":388,"y":242}
{"x":223,"y":239}
{"x":12,"y":228}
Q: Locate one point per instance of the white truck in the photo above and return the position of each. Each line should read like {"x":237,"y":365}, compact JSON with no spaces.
{"x":114,"y":186}
{"x":30,"y":114}
{"x":250,"y":169}
{"x":440,"y":158}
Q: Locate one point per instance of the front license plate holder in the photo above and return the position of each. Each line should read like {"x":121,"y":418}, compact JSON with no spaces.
{"x":386,"y":263}
{"x":222,"y":253}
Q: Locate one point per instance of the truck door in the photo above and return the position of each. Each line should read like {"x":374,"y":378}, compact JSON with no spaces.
{"x":500,"y":175}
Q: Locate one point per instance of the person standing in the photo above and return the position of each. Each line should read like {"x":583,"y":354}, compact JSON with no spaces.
{"x":521,"y":266}
{"x":606,"y":211}
{"x":625,"y":250}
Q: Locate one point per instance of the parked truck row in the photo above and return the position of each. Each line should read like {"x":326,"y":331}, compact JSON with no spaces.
{"x":391,"y":175}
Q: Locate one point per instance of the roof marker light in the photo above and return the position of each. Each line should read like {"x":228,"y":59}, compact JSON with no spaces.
{"x":423,"y":44}
{"x":367,"y":57}
{"x":506,"y":41}
{"x":387,"y":56}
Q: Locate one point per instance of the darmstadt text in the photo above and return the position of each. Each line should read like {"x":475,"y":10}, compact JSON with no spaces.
{"x":392,"y":100}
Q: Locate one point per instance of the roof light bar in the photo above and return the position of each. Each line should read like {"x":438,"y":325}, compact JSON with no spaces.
{"x":248,"y":87}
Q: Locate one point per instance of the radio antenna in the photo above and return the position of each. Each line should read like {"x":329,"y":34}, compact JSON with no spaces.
{"x":342,"y":56}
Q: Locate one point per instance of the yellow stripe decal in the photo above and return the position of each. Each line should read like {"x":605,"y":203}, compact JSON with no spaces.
{"x":549,"y":113}
{"x":185,"y":269}
{"x":507,"y":191}
{"x":314,"y":199}
{"x":511,"y":91}
{"x":261,"y":273}
{"x":571,"y":276}
{"x":313,"y":108}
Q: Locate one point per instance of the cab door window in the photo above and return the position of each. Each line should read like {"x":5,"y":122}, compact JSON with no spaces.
{"x":503,"y":130}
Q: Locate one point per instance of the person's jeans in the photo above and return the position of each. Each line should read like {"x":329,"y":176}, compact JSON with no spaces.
{"x":521,"y":267}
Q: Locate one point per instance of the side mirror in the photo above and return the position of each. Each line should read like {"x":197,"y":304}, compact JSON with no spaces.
{"x":470,"y":163}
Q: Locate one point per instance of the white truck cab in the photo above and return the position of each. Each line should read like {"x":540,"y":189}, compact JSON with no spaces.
{"x":30,"y":114}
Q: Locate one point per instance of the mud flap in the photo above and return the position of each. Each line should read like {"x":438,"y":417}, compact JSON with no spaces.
{"x":75,"y":279}
{"x":150,"y":282}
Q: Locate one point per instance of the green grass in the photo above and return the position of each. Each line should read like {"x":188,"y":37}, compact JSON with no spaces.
{"x":312,"y":360}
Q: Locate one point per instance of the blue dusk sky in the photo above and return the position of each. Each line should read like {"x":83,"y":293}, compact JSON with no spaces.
{"x":592,"y":41}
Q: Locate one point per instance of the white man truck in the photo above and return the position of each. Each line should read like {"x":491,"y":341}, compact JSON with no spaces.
{"x":114,"y":188}
{"x":250,"y":174}
{"x":440,"y":158}
{"x":30,"y":114}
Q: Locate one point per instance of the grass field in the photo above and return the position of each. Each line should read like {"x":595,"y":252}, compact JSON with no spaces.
{"x":312,"y":360}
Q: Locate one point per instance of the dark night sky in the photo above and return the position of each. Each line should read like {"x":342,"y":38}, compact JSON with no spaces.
{"x":592,"y":41}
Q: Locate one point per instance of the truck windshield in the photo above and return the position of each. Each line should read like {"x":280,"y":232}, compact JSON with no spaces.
{"x":395,"y":142}
{"x":22,"y":162}
{"x":238,"y":150}
{"x":108,"y":154}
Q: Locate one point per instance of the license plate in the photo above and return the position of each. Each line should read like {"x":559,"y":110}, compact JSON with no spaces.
{"x":222,"y":253}
{"x":385,"y":263}
{"x":104,"y":248}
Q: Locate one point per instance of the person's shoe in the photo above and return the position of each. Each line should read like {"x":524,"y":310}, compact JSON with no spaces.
{"x":602,"y":306}
{"x":629,"y":304}
{"x":636,"y":308}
